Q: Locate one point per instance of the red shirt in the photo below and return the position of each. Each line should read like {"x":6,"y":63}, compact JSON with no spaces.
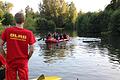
{"x":17,"y":41}
{"x":2,"y":60}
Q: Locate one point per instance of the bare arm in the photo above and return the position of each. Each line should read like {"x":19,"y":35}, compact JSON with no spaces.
{"x":2,"y":51}
{"x":31,"y":50}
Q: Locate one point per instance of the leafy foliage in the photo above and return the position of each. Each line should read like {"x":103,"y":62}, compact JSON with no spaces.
{"x":59,"y":12}
{"x":115,"y":20}
{"x":101,"y":23}
{"x":45,"y":24}
{"x":5,"y":7}
{"x":30,"y":21}
{"x":7,"y":19}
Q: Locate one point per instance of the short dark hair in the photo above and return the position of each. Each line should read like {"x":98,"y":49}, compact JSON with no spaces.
{"x":19,"y":18}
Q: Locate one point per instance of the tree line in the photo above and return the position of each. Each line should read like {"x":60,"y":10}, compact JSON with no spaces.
{"x":52,"y":15}
{"x":59,"y":15}
{"x":56,"y":14}
{"x":102,"y":23}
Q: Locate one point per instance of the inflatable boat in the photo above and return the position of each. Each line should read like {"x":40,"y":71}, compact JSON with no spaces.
{"x":55,"y":41}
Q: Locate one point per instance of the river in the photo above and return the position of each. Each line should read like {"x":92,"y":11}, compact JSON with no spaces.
{"x":75,"y":60}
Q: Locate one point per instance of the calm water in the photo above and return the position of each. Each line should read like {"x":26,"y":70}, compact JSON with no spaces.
{"x":75,"y":60}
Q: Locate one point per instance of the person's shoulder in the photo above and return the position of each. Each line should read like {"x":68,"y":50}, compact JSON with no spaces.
{"x":8,"y":28}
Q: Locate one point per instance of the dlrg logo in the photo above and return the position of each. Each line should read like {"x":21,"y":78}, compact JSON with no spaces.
{"x":18,"y":37}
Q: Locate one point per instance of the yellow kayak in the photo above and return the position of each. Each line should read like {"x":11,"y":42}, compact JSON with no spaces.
{"x":42,"y":77}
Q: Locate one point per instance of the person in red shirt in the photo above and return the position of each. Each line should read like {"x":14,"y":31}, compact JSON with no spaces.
{"x":2,"y":67}
{"x":18,"y":40}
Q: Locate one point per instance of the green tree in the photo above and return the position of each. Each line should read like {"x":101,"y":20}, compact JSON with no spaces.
{"x":29,"y":12}
{"x":7,"y":19}
{"x":1,"y":28}
{"x":44,"y":24}
{"x":89,"y":23}
{"x":51,"y":25}
{"x":59,"y":12}
{"x":83,"y":23}
{"x":6,"y":7}
{"x":1,"y":13}
{"x":30,"y":22}
{"x":114,"y":4}
{"x":115,"y":22}
{"x":63,"y":14}
{"x":112,"y":10}
{"x":72,"y":12}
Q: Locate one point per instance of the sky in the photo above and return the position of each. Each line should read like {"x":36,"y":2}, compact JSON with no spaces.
{"x":90,"y":5}
{"x":81,"y":5}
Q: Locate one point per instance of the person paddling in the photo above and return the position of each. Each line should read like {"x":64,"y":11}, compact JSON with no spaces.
{"x":17,"y":40}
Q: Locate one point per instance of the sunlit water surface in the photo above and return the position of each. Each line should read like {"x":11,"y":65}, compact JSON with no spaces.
{"x":74,"y":60}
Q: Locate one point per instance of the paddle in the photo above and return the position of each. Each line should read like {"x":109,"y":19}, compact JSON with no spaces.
{"x":39,"y":39}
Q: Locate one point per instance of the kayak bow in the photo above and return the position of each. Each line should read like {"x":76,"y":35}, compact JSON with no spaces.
{"x":42,"y":77}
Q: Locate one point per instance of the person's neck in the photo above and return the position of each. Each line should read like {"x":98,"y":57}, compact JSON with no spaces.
{"x":19,"y":25}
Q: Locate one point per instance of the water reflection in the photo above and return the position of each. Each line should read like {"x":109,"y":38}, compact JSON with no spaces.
{"x":112,"y":44}
{"x":75,"y":59}
{"x":53,"y":51}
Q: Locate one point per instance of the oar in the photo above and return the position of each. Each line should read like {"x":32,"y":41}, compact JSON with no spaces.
{"x":39,"y":39}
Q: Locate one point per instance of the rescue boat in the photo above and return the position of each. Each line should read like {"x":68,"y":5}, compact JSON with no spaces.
{"x":55,"y":41}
